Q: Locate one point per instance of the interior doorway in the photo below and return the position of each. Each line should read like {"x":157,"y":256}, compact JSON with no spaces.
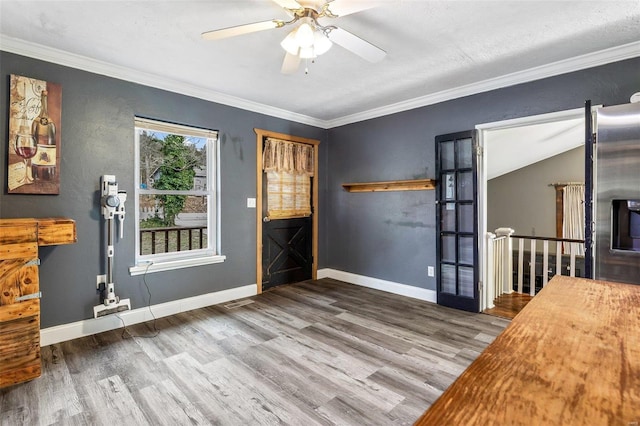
{"x":503,"y":151}
{"x":286,"y":236}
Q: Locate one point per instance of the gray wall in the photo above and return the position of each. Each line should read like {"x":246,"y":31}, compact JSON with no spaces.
{"x":523,"y":199}
{"x":391,"y":235}
{"x":384,"y":235}
{"x":97,"y":139}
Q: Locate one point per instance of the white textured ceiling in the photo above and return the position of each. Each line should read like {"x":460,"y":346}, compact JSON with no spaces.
{"x":433,"y":48}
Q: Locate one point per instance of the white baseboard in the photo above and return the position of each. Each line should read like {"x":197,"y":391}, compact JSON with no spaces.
{"x":378,"y":284}
{"x":74,"y":330}
{"x":324,"y":273}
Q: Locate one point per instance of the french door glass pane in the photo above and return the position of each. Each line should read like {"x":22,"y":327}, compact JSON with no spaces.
{"x":447,"y":156}
{"x":449,"y":248}
{"x":448,"y":278}
{"x":465,"y":217}
{"x":448,"y":217}
{"x":465,"y":153}
{"x":465,"y":281}
{"x":466,"y":250}
{"x":465,"y":186}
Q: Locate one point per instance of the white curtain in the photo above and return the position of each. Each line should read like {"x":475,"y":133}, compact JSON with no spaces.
{"x":573,"y":217}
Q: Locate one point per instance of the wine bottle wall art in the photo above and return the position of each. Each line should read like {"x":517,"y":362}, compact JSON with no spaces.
{"x":35,"y":136}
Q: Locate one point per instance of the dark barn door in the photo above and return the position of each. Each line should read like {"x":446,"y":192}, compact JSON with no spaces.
{"x":286,"y":251}
{"x":287,"y":234}
{"x":287,"y":202}
{"x":457,"y":221}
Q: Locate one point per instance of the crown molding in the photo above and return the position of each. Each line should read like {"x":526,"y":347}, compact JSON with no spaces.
{"x":33,"y":50}
{"x":60,"y":57}
{"x":589,"y":60}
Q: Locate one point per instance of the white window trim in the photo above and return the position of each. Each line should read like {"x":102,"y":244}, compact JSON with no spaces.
{"x":145,"y":267}
{"x":176,"y":260}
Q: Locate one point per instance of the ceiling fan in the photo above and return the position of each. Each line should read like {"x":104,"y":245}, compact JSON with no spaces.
{"x":310,"y":38}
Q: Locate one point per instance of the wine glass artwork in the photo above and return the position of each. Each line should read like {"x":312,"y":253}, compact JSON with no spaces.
{"x":35,"y":134}
{"x":25,"y":147}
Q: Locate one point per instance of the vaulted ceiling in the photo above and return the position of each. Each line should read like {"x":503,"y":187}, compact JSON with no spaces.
{"x":436,"y":50}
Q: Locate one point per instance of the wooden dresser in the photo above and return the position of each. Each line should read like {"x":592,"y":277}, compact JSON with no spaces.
{"x":20,"y":292}
{"x":571,"y":357}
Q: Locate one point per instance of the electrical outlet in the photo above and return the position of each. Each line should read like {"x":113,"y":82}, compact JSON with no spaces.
{"x":100,"y":279}
{"x":431,"y":271}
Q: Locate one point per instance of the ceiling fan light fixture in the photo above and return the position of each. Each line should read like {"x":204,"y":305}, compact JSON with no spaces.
{"x":305,"y":35}
{"x":307,"y":53}
{"x":290,"y":43}
{"x":306,"y":41}
{"x":321,"y":43}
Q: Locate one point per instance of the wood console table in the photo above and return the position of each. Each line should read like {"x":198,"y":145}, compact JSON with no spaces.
{"x":571,"y":357}
{"x":20,"y":292}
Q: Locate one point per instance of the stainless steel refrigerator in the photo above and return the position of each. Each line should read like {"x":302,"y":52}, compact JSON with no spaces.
{"x":617,"y":194}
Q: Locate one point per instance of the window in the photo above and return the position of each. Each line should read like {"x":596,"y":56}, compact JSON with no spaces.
{"x":176,"y":197}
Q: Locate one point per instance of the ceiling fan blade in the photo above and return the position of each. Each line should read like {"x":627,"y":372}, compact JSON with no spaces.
{"x":347,"y":7}
{"x":288,"y":4}
{"x":355,"y":44}
{"x":290,"y":64}
{"x":241,"y":29}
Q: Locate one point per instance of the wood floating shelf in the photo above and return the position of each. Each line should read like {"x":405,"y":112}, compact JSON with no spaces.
{"x":393,"y":185}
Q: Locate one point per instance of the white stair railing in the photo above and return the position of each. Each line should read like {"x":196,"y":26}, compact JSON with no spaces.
{"x":500,"y":262}
{"x":545,"y":272}
{"x":500,"y":265}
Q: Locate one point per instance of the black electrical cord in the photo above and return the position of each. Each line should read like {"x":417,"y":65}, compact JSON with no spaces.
{"x":156,"y":332}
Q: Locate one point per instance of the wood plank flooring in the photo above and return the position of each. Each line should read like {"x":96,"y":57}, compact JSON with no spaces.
{"x":314,"y":353}
{"x":509,"y":305}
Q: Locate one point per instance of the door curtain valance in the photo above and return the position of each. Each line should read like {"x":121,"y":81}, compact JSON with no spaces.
{"x":286,"y":156}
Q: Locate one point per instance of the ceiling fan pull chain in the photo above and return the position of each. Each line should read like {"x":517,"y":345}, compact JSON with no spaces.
{"x":306,"y":64}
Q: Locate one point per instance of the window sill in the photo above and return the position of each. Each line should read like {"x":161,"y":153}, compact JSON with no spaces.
{"x":146,"y":268}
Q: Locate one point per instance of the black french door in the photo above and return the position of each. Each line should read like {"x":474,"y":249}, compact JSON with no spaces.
{"x":457,"y":221}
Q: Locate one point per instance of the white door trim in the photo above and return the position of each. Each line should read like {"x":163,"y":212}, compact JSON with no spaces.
{"x":483,"y":130}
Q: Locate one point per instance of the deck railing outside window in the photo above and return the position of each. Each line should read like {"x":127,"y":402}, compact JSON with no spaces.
{"x":172,"y":239}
